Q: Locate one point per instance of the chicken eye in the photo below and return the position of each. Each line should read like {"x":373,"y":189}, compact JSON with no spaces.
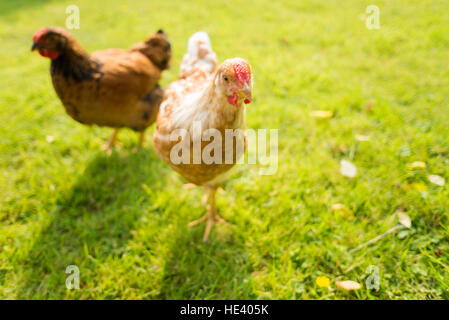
{"x":225,"y":78}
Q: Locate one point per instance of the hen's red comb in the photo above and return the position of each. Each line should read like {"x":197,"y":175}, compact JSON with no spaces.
{"x":241,"y":73}
{"x":39,"y":33}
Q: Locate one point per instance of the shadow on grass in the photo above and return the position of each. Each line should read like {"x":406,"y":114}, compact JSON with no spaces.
{"x":91,"y":222}
{"x":94,"y":220}
{"x":219,"y":269}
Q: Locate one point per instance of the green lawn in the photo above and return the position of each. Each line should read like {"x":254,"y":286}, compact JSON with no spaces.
{"x":123,"y":219}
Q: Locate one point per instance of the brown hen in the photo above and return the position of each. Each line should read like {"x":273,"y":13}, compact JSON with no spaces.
{"x":114,"y":88}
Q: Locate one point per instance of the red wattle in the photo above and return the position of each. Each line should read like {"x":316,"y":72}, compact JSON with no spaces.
{"x":49,"y":54}
{"x":247,"y":101}
{"x":234,"y":99}
{"x":52,"y":55}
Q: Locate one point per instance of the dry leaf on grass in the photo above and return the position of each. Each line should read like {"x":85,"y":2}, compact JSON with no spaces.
{"x":341,"y":209}
{"x":323,"y":281}
{"x":362,"y":138}
{"x":321,"y":114}
{"x":439,"y":181}
{"x":348,"y":285}
{"x":348,"y":169}
{"x":419,"y":187}
{"x":404,"y":219}
{"x":417,"y":165}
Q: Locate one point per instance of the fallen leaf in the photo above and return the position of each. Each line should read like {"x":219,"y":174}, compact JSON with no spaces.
{"x":322,"y":114}
{"x":348,"y":285}
{"x":417,"y":165}
{"x":439,"y":181}
{"x":404,"y":219}
{"x":323,"y":281}
{"x":360,"y":137}
{"x":348,"y":169}
{"x":420,"y":187}
{"x":341,"y":209}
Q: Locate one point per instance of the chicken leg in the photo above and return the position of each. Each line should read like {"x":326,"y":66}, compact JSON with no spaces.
{"x":211,"y":217}
{"x":111,"y":142}
{"x":141,"y":140}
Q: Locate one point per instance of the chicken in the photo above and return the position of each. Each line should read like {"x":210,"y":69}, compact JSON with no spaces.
{"x":114,"y":88}
{"x":205,"y":101}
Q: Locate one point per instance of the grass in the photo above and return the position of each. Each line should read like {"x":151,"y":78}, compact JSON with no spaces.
{"x":123,"y":219}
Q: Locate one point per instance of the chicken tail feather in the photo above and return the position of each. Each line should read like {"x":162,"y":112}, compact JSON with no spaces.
{"x":199,"y":56}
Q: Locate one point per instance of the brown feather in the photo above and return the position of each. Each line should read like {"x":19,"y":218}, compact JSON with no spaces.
{"x":113,"y":87}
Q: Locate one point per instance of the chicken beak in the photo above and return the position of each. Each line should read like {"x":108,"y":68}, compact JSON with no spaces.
{"x":34,"y":46}
{"x":246,"y":91}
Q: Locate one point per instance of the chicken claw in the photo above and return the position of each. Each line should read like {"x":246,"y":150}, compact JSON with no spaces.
{"x":211,"y":216}
{"x":198,"y":221}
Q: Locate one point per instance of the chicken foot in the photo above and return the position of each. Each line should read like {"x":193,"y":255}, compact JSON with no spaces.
{"x":211,"y":217}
